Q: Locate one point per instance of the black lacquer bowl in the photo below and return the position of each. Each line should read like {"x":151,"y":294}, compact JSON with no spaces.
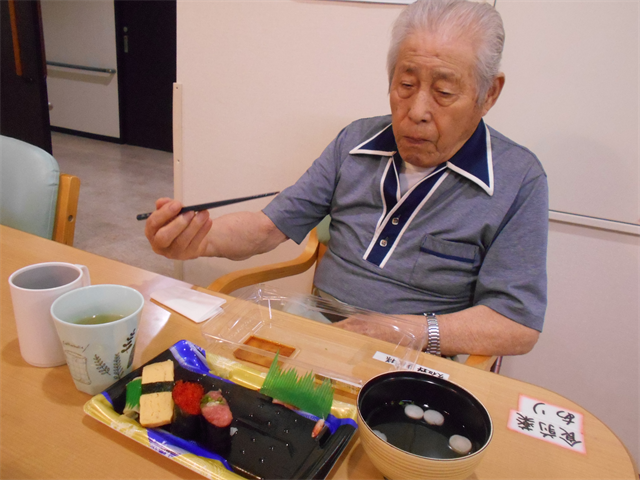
{"x":405,"y":448}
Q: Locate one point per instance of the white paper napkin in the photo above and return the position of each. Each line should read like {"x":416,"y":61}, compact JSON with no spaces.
{"x":194,"y":305}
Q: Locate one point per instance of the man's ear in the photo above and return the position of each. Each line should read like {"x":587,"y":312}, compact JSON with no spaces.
{"x":493,"y":93}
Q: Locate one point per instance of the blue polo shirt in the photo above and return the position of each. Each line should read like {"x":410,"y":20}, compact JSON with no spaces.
{"x":472,"y":232}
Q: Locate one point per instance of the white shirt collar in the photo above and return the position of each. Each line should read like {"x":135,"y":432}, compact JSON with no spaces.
{"x":473,"y":161}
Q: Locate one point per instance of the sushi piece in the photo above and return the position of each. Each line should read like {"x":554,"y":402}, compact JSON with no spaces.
{"x":317,"y":428}
{"x":156,"y":403}
{"x":186,"y":411}
{"x":216,"y":421}
{"x":132,"y":402}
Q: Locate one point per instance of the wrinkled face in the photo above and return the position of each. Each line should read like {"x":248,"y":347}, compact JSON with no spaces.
{"x":433,"y":98}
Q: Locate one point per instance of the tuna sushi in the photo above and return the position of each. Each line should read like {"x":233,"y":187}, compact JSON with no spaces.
{"x":186,"y":417}
{"x":217,"y":421}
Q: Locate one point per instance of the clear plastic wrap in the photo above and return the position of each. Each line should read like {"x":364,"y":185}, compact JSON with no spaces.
{"x":266,"y":319}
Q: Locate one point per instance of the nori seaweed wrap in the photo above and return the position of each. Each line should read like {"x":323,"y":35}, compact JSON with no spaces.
{"x":216,"y":422}
{"x":187,"y":422}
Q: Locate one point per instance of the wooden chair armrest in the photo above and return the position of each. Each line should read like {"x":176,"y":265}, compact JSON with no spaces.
{"x":252,"y":276}
{"x":483,"y":362}
{"x":64,"y":227}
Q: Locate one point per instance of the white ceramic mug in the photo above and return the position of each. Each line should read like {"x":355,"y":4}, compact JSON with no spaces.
{"x":98,"y":355}
{"x":33,"y":290}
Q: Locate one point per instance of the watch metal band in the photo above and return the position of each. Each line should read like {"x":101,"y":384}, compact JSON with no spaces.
{"x":433,"y":331}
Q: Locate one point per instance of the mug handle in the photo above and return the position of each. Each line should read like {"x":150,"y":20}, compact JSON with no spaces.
{"x":86,"y":279}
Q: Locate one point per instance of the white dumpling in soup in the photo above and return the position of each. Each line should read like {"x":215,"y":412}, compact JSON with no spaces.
{"x":380,"y":435}
{"x":459,"y":444}
{"x":433,"y":417}
{"x":413,"y":411}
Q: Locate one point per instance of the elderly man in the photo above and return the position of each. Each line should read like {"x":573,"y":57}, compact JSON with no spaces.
{"x":433,"y":213}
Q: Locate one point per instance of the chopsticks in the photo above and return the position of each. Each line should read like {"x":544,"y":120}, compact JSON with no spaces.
{"x":207,"y":206}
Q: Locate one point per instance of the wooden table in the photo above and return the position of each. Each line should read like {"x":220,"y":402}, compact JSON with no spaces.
{"x":44,"y":432}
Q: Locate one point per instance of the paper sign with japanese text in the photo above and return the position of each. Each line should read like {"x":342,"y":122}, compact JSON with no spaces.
{"x":383,"y":357}
{"x":548,"y":422}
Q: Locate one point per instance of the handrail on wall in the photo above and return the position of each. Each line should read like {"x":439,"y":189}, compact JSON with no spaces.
{"x":82,"y":67}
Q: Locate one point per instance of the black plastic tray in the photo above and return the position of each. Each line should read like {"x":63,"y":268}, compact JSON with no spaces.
{"x":271,"y":441}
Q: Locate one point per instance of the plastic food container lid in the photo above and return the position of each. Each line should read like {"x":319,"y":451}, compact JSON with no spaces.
{"x":265,"y":319}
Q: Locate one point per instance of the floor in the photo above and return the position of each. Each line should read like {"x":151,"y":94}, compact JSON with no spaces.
{"x":117,"y":183}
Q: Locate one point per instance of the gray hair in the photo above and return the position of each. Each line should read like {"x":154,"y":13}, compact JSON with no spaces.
{"x":454,"y":17}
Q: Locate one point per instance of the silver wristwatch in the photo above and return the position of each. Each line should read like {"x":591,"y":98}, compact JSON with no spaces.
{"x":433,"y":331}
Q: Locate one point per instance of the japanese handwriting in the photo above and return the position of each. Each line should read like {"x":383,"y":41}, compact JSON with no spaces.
{"x":547,"y":430}
{"x":569,"y":437}
{"x":428,"y":371}
{"x":399,"y":363}
{"x":539,"y":405}
{"x":548,"y":422}
{"x":525,"y":423}
{"x":566,"y":417}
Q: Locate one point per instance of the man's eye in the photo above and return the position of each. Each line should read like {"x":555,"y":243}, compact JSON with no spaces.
{"x":444,"y":94}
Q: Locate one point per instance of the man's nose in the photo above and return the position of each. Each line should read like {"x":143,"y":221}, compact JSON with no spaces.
{"x":421,"y":107}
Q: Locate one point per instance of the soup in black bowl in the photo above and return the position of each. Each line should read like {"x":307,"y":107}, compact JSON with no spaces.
{"x":425,"y":415}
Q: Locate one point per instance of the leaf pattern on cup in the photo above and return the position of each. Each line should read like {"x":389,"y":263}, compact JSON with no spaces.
{"x":133,"y":349}
{"x":118,"y":371}
{"x":129,"y":342}
{"x":102,"y":367}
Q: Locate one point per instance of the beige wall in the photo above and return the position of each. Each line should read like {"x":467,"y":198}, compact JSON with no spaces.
{"x":266,"y":85}
{"x":588,"y":351}
{"x":561,"y":59}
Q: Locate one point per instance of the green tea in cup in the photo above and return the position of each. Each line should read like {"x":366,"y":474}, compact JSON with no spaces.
{"x":97,"y":328}
{"x":99,"y":319}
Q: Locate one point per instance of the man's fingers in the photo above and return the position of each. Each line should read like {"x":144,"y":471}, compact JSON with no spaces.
{"x":175,"y":234}
{"x":371,"y":329}
{"x":192,"y":225}
{"x":160,"y":218}
{"x":182,"y":239}
{"x":205,"y":222}
{"x":351,"y":324}
{"x":161,"y":202}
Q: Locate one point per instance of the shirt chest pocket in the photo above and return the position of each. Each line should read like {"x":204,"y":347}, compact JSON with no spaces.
{"x":445,"y":268}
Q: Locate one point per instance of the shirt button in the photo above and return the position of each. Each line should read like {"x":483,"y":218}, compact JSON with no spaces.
{"x":383,"y":243}
{"x":395,"y":221}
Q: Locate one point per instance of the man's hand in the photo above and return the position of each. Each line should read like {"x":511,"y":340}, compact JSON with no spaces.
{"x":382,"y":328}
{"x":179,"y":237}
{"x":236,"y":236}
{"x":477,"y":330}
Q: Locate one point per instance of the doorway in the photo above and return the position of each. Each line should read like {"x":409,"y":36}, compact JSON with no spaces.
{"x":146,"y":50}
{"x":23,"y":91}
